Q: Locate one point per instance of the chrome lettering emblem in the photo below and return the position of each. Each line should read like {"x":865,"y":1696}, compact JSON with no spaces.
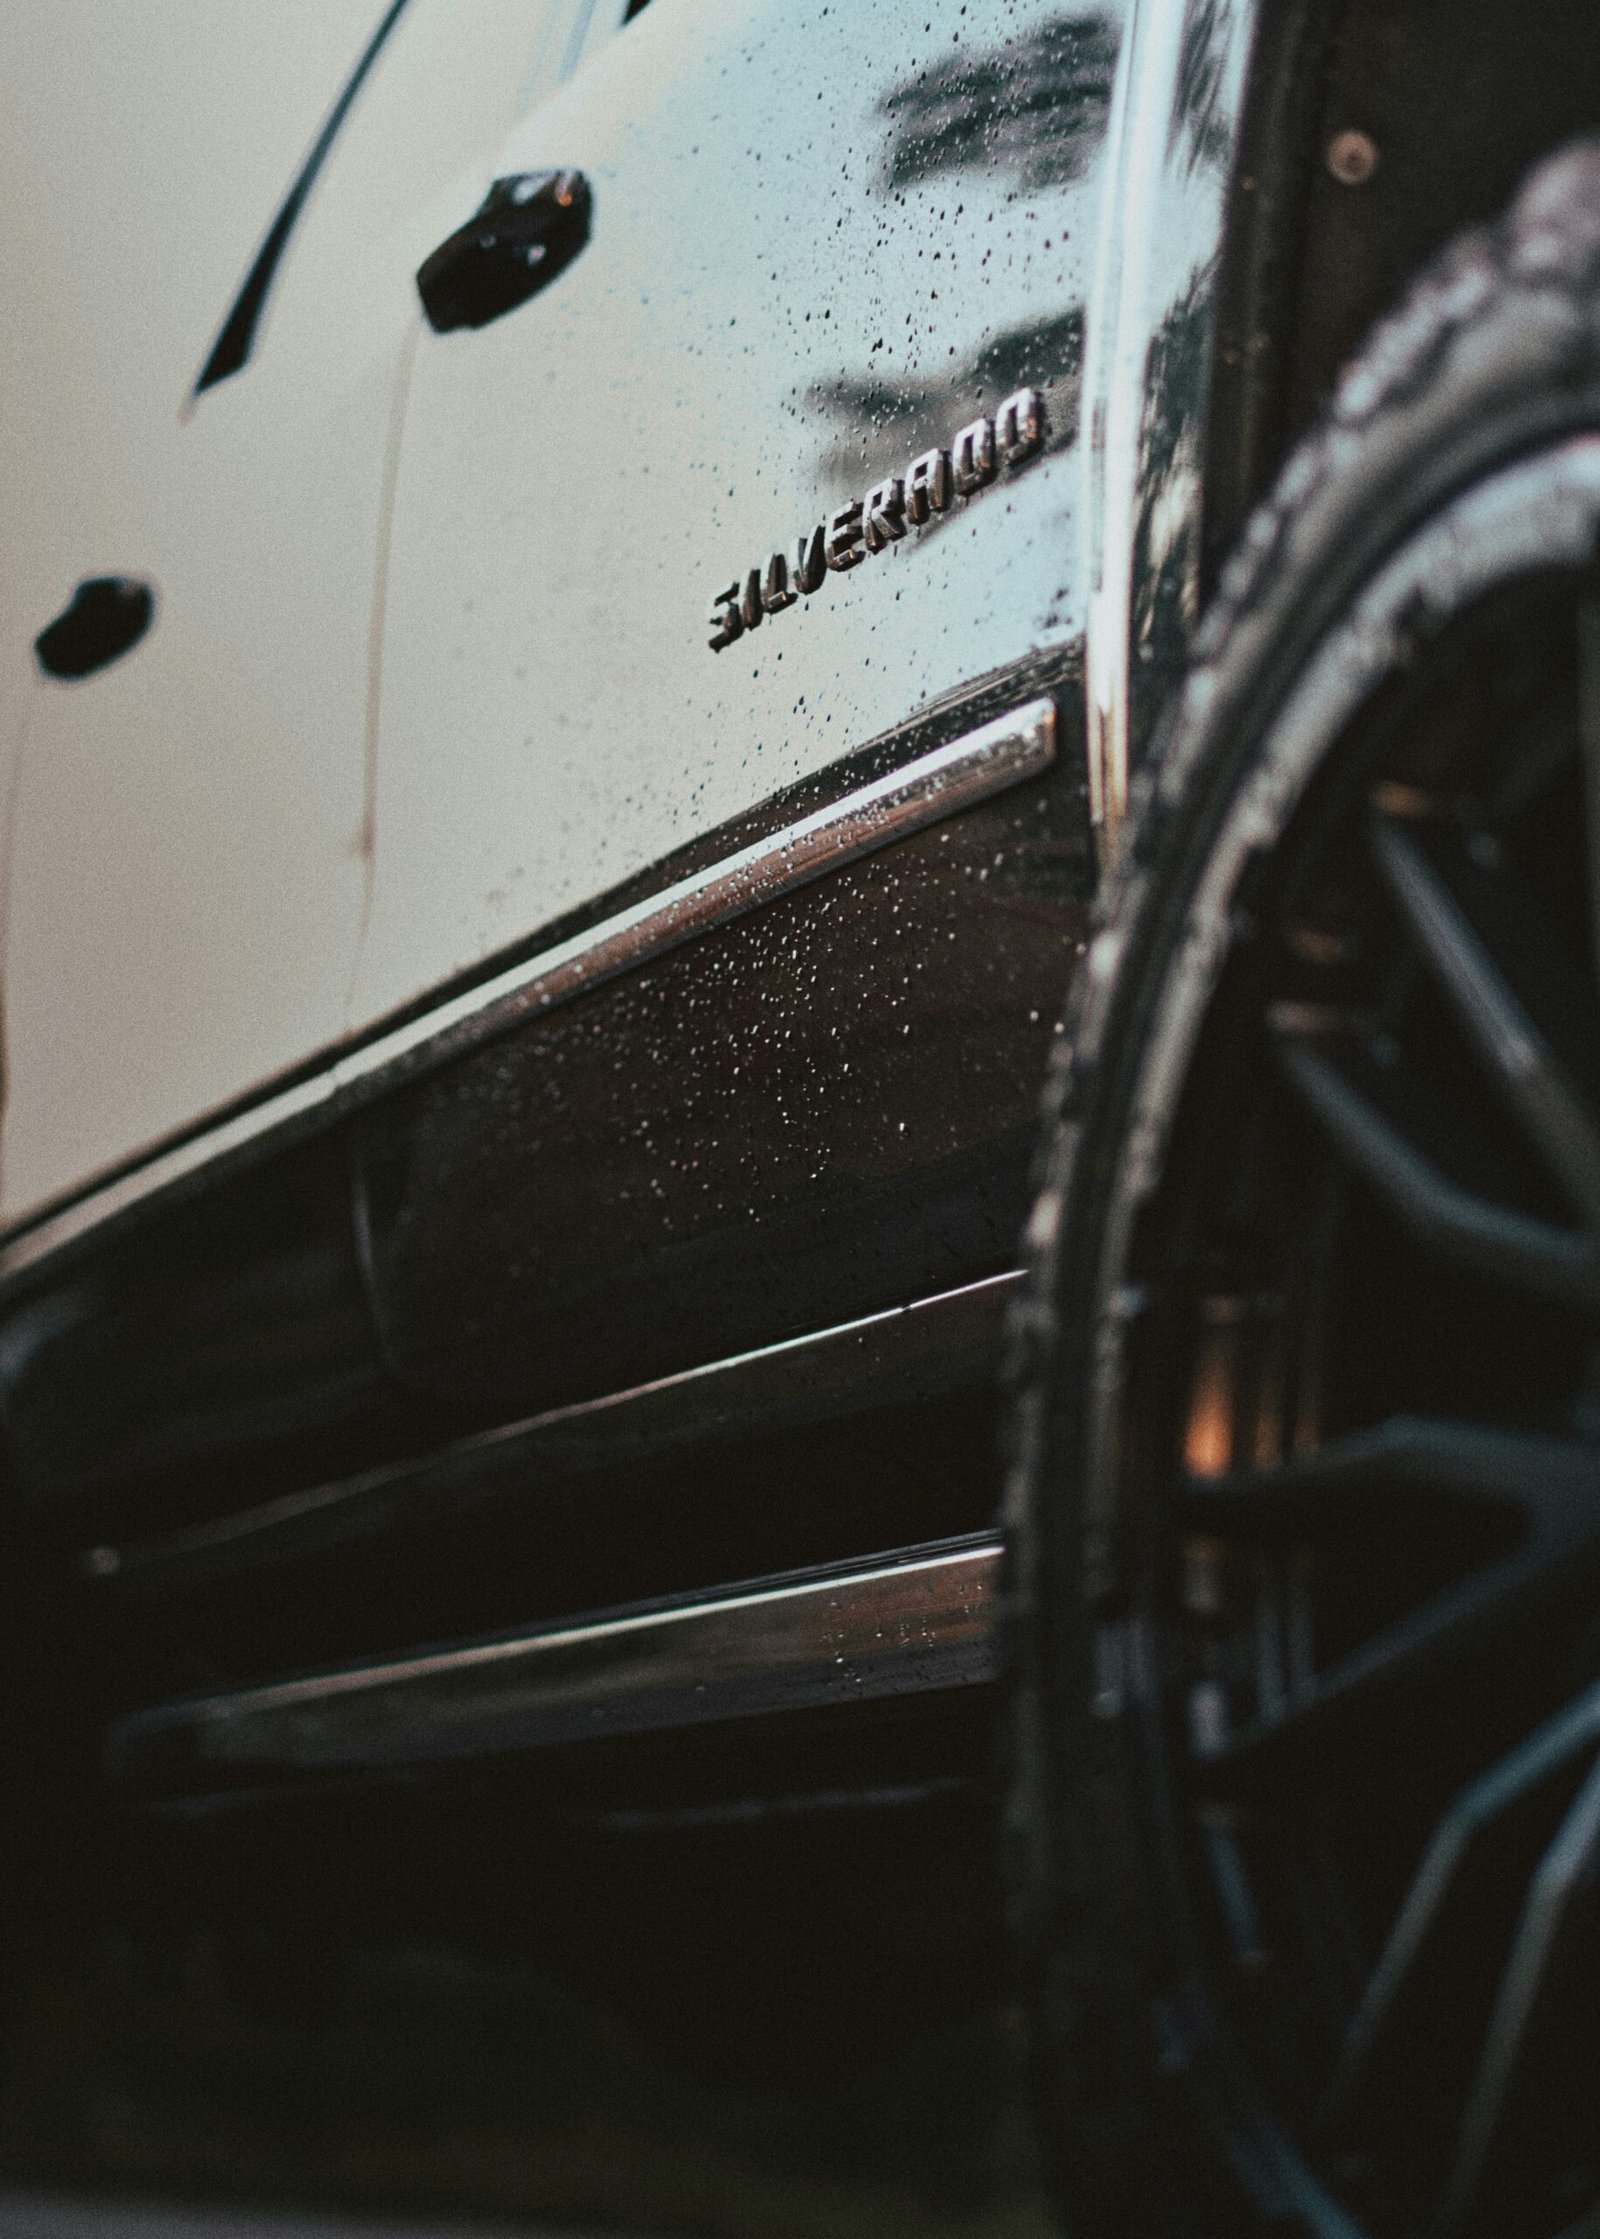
{"x":977,"y":454}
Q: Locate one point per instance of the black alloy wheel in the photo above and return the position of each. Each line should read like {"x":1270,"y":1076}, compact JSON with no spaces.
{"x":1304,"y":1835}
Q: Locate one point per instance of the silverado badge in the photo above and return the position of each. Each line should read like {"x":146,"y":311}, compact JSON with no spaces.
{"x":931,"y":484}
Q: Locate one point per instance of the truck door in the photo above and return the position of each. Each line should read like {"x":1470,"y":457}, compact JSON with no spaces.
{"x":779,"y":453}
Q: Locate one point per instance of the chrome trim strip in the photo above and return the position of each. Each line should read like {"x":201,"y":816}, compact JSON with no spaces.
{"x":914,"y":1622}
{"x":937,"y":785}
{"x":1005,"y":752}
{"x":913,"y":1349}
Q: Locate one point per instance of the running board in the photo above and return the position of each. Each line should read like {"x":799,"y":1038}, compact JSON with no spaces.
{"x":919,"y":1621}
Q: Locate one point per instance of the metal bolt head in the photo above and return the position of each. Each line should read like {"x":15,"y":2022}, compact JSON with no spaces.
{"x":1352,"y":157}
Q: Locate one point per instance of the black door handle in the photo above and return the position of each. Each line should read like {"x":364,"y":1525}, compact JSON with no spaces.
{"x":106,"y":618}
{"x":530,"y":227}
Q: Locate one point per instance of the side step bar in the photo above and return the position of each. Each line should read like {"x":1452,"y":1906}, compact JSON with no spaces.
{"x":916,"y":1621}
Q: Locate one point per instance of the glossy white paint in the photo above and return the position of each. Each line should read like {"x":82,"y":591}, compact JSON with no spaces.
{"x":349,"y":765}
{"x":765,"y":321}
{"x":190,"y":837}
{"x":147,"y":146}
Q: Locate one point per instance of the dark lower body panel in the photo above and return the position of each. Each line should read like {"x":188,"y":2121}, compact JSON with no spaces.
{"x":689,"y":1277}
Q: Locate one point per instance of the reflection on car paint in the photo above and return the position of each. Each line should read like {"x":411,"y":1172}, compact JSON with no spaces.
{"x":1150,"y":323}
{"x":872,"y":411}
{"x":1034,"y":105}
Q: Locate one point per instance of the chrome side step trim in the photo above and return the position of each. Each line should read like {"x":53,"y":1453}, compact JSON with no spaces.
{"x":937,"y":785}
{"x":904,"y":1352}
{"x":917,"y":1621}
{"x":1015,"y":746}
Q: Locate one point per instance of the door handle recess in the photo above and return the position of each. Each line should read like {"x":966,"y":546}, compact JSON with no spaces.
{"x":530,"y":227}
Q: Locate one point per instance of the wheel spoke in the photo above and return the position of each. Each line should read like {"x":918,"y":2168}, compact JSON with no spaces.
{"x":1538,"y":1758}
{"x":1554,"y":1482}
{"x":1561,"y":1873}
{"x":1463,"y":1619}
{"x":1517,"y":994}
{"x":1442,"y":1212}
{"x":1589,"y":742}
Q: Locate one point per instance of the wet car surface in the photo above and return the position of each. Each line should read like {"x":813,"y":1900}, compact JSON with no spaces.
{"x":646,"y":653}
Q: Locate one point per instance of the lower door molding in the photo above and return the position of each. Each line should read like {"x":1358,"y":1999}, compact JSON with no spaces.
{"x":916,"y":1621}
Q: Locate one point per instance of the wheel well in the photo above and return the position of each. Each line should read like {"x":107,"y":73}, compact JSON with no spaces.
{"x":1457,"y":99}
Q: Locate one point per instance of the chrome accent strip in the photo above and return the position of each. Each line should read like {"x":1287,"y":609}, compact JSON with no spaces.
{"x":937,"y":785}
{"x":847,"y":1363}
{"x":1005,"y":752}
{"x":914,"y":1622}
